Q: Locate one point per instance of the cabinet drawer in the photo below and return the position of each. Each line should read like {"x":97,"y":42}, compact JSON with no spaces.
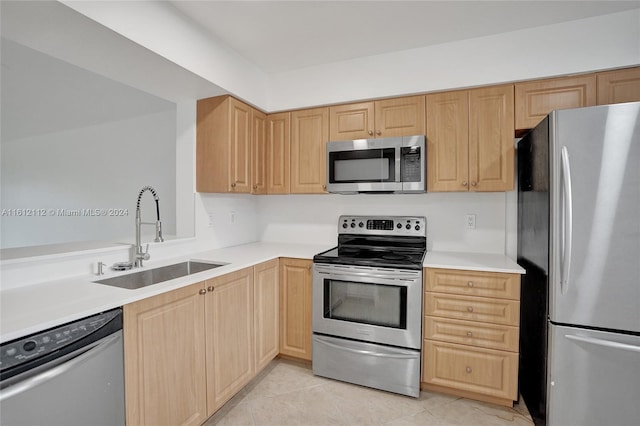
{"x":495,"y":311}
{"x":474,"y":283}
{"x":501,"y":337}
{"x":483,"y":371}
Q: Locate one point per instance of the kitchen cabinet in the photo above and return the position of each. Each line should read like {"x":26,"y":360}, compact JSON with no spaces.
{"x":309,"y":135}
{"x":471,"y":334}
{"x":278,"y":152}
{"x":188,"y":351}
{"x":404,"y":116}
{"x":470,"y":144}
{"x":258,"y":152}
{"x":223,"y":145}
{"x":229,"y":336}
{"x":266,"y":322}
{"x":164,"y":344}
{"x":618,"y":86}
{"x":535,"y":99}
{"x":295,"y":308}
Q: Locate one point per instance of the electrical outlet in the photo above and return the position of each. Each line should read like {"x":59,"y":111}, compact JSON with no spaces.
{"x":232,"y":216}
{"x":211,"y":220}
{"x":470,"y":220}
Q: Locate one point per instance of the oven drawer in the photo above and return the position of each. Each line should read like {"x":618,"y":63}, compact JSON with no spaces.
{"x":501,"y":337}
{"x":474,"y":283}
{"x":495,"y":311}
{"x":482,"y":371}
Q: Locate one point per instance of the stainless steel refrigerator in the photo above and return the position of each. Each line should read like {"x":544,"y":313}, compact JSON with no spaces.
{"x":579,"y":241}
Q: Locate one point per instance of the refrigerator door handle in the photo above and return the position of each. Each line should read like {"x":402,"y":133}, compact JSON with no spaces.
{"x":605,"y":343}
{"x":567,"y":221}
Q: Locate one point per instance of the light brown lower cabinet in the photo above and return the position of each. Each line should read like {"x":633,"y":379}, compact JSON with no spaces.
{"x":188,"y":351}
{"x":295,"y":308}
{"x":471,"y":334}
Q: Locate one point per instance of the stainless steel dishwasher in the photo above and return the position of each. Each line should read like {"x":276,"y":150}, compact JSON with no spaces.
{"x":72,"y":374}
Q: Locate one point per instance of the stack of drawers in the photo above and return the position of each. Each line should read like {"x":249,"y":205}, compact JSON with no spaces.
{"x":471,"y":334}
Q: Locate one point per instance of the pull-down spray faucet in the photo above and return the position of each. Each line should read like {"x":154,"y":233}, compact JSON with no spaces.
{"x":139,"y":255}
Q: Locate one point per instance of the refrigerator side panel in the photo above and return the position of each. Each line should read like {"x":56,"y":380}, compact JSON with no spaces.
{"x":594,"y":378}
{"x":533,"y":256}
{"x":595,"y":204}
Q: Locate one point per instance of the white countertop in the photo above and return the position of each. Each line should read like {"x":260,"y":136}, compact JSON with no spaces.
{"x":33,"y":308}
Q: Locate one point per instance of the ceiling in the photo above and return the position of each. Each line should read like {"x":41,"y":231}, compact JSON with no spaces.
{"x":279,"y":36}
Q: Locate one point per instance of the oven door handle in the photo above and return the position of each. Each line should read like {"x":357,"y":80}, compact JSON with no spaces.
{"x":365,"y":352}
{"x":390,"y":279}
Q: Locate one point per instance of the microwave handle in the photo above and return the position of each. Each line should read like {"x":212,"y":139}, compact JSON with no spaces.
{"x":398,"y":161}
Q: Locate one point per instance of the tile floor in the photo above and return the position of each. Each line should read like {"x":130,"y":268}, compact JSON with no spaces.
{"x":287,"y":393}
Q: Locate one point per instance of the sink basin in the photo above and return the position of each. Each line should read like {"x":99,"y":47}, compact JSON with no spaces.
{"x":158,"y":275}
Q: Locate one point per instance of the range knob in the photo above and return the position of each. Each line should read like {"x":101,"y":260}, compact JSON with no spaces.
{"x":408,"y":226}
{"x":353,"y":224}
{"x":29,"y":346}
{"x":344,"y":225}
{"x":399,"y":226}
{"x":417,"y":228}
{"x":361,"y":225}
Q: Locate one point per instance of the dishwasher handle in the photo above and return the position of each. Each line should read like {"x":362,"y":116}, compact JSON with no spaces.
{"x":58,"y":367}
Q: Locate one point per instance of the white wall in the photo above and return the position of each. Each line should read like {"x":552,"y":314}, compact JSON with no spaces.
{"x":601,"y":42}
{"x":102,"y":166}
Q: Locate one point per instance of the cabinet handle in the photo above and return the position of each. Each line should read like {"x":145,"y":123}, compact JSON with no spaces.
{"x":211,"y":288}
{"x":468,"y":369}
{"x":464,"y":183}
{"x":233,"y":185}
{"x":378,"y":132}
{"x":309,"y":267}
{"x":370,"y":132}
{"x":470,"y":283}
{"x":469,"y":334}
{"x":255,"y":186}
{"x":202,"y":291}
{"x":324,"y":187}
{"x":470,"y":308}
{"x":473,"y":183}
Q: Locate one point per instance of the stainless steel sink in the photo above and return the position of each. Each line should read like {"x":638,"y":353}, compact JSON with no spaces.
{"x":158,"y":275}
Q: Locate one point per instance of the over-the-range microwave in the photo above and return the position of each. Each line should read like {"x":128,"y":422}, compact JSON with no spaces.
{"x":391,"y":165}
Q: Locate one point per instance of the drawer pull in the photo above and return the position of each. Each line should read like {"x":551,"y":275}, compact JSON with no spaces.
{"x":470,"y":308}
{"x":202,"y":291}
{"x":211,"y":288}
{"x":469,"y":370}
{"x":470,"y":283}
{"x":469,"y":334}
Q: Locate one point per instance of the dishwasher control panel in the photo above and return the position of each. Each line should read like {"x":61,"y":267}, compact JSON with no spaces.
{"x":38,"y":345}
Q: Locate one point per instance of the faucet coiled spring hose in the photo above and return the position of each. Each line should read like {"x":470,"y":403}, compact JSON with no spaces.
{"x":155,"y":197}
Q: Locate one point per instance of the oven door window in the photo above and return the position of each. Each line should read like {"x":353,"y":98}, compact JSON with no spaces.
{"x":358,"y":166}
{"x":364,"y":303}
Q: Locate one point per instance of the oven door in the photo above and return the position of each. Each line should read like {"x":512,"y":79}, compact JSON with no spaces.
{"x":378,"y":305}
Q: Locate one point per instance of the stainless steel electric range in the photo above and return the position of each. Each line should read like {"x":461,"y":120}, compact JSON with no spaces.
{"x":367,"y":303}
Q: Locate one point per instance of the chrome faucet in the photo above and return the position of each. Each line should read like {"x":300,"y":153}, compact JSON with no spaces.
{"x":139,"y":255}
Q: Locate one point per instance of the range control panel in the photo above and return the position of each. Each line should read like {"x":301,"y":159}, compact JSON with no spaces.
{"x":415,"y":226}
{"x":39,"y":344}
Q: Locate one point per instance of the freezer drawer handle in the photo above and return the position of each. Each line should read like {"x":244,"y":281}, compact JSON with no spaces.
{"x":568,"y":221}
{"x":605,"y":343}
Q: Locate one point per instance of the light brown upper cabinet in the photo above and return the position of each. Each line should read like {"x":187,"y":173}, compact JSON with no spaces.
{"x":309,"y":135}
{"x":535,"y":99}
{"x":223,"y":145}
{"x":470,"y":145}
{"x":378,"y":119}
{"x":278,"y":152}
{"x":258,"y":152}
{"x":618,"y":86}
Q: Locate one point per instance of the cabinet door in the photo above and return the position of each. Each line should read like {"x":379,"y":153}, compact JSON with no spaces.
{"x":295,"y":308}
{"x":448,"y":141}
{"x":309,"y":136}
{"x":351,"y":121}
{"x":164,"y":343}
{"x":535,"y":99}
{"x":278,"y":151}
{"x":229,"y":336}
{"x":258,"y":152}
{"x":240,"y":147}
{"x":491,"y":141}
{"x":618,"y":86}
{"x":400,"y":117}
{"x":212,"y":145}
{"x":266,"y":295}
